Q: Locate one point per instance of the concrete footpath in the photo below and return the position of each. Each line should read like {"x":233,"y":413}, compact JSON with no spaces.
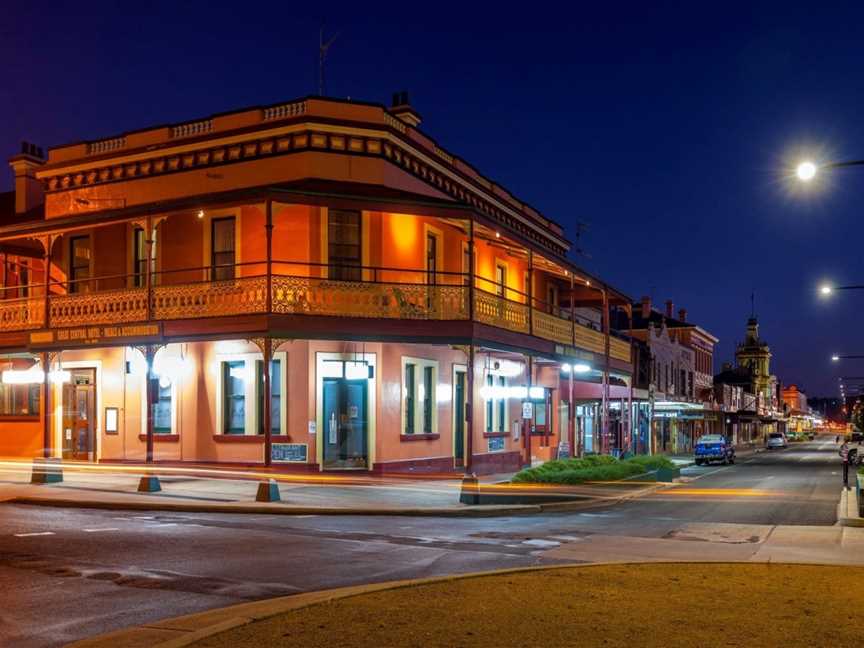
{"x":234,"y":491}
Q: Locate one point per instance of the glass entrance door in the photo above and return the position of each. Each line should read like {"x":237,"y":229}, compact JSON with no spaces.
{"x":79,"y":416}
{"x":459,"y":419}
{"x":345,"y":423}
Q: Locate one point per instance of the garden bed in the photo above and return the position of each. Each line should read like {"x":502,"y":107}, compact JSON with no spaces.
{"x":592,"y":468}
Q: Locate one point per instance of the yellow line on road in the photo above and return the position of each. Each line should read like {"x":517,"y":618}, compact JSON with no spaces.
{"x":723,"y":492}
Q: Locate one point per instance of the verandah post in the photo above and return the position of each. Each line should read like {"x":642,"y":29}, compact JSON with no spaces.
{"x":268,"y":231}
{"x":268,"y":396}
{"x":46,"y":405}
{"x":149,"y":355}
{"x":469,"y":413}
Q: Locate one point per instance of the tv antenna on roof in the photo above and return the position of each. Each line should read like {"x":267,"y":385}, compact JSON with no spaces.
{"x":323,"y":47}
{"x":580,"y":228}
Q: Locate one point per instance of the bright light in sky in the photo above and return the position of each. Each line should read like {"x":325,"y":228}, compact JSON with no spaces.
{"x":835,"y":358}
{"x":826,"y":289}
{"x":806,"y":171}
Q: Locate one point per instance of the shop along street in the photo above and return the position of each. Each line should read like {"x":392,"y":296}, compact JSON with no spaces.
{"x":134,"y":567}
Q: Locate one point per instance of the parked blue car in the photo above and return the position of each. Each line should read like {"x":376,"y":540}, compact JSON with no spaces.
{"x":714,"y":447}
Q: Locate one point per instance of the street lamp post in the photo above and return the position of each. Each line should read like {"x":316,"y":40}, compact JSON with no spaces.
{"x":827,"y":289}
{"x":807,"y":170}
{"x":836,"y":357}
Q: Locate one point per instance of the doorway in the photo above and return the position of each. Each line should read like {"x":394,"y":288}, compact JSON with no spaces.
{"x":79,"y":415}
{"x":346,"y":432}
{"x":459,"y":408}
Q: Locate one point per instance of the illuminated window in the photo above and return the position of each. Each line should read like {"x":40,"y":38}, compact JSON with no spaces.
{"x":419,"y":389}
{"x":490,"y":405}
{"x":502,"y":405}
{"x":275,"y":396}
{"x":428,"y":392}
{"x":20,"y":400}
{"x":500,"y":279}
{"x":410,"y":389}
{"x":162,"y":411}
{"x":234,"y":397}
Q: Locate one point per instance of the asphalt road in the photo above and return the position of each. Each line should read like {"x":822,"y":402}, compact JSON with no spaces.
{"x":68,"y":574}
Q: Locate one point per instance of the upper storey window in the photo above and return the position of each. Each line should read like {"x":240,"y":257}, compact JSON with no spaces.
{"x":79,"y":264}
{"x":344,"y":245}
{"x":223,"y":248}
{"x":139,"y":258}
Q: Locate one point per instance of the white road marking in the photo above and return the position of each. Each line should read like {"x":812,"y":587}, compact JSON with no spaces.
{"x":100,"y":530}
{"x":600,"y":515}
{"x":30,"y":535}
{"x":544,"y":544}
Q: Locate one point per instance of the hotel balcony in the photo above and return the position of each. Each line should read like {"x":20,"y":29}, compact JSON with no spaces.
{"x":300,"y":289}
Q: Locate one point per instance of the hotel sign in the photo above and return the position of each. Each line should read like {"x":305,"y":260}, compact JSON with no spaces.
{"x":95,"y":335}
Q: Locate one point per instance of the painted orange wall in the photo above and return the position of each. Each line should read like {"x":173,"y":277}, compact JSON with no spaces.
{"x":21,"y":439}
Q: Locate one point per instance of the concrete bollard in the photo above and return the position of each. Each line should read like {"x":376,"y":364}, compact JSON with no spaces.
{"x":470,"y":494}
{"x":268,"y":491}
{"x":149,"y":484}
{"x":47,"y":471}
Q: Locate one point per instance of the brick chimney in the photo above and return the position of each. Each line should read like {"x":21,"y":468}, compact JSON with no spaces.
{"x":670,"y":308}
{"x":646,"y":307}
{"x":682,"y":314}
{"x":28,"y":190}
{"x":401,"y":109}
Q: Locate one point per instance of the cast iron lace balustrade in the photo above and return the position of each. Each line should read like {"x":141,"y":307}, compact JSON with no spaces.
{"x":109,"y":307}
{"x":315,"y":296}
{"x":22,"y":314}
{"x":303,"y":296}
{"x":210,"y":299}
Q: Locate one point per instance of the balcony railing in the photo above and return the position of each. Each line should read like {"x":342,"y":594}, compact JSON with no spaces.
{"x":301,"y":289}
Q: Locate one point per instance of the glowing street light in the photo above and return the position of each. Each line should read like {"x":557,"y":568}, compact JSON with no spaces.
{"x":806,"y":171}
{"x":837,"y":357}
{"x":827,"y":290}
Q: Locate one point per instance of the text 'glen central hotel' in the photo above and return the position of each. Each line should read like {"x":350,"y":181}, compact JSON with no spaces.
{"x":316,"y":284}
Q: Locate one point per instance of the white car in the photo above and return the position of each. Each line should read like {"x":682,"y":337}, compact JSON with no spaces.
{"x":776,"y":440}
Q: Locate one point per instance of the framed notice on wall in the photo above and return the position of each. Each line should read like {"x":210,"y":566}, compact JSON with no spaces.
{"x":111,"y":420}
{"x":289,"y":453}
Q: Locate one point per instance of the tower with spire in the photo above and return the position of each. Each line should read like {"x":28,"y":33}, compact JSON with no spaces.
{"x":754,"y":355}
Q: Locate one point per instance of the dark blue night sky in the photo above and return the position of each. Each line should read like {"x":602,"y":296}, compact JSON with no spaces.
{"x":665,"y":126}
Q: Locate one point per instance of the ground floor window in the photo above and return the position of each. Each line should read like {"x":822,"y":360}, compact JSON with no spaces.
{"x":162,"y":410}
{"x":275,"y":396}
{"x":419,"y":387}
{"x":19,"y":400}
{"x":234,"y":397}
{"x":496,"y":394}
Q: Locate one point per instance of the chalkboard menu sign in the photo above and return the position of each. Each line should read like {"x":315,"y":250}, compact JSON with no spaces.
{"x":496,"y":444}
{"x":289,"y":452}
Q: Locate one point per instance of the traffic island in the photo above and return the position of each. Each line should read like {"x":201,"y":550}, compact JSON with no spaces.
{"x":773,"y":604}
{"x":47,"y":471}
